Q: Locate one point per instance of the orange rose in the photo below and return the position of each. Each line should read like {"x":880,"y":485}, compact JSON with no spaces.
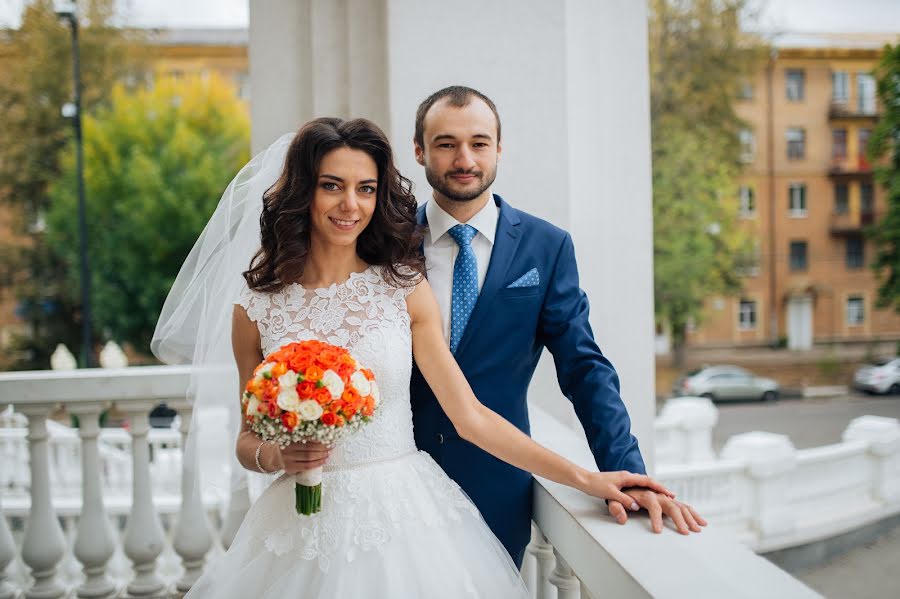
{"x":349,"y":410}
{"x":328,"y":418}
{"x":313,"y":373}
{"x":289,"y":420}
{"x":274,"y":410}
{"x":368,"y":374}
{"x":307,"y":390}
{"x":322,"y":395}
{"x":279,"y":369}
{"x":345,"y":371}
{"x":350,"y":395}
{"x":341,"y":421}
{"x":300,"y":361}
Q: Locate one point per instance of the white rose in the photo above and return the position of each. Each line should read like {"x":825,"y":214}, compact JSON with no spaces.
{"x":376,"y":393}
{"x":359,"y":380}
{"x":288,"y":379}
{"x":253,"y":407}
{"x":309,"y":410}
{"x":334,"y":384}
{"x":267,"y":367}
{"x":288,"y":399}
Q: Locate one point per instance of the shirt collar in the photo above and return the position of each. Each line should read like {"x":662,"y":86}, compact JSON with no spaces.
{"x":484,"y":221}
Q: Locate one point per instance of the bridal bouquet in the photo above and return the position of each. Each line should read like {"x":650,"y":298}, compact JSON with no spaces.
{"x":309,"y":391}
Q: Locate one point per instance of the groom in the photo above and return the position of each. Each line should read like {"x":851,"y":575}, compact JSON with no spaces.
{"x":507,"y":286}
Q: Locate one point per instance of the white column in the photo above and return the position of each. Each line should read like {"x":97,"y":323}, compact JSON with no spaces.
{"x":770,"y":459}
{"x":143,"y":535}
{"x":543,"y":559}
{"x":883,"y":435}
{"x":95,"y":540}
{"x":7,"y":553}
{"x":44,"y":544}
{"x":567,"y":585}
{"x":192,"y":538}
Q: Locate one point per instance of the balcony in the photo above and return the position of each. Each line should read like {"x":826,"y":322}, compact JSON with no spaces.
{"x":577,"y":551}
{"x":849,"y":224}
{"x":847,"y":111}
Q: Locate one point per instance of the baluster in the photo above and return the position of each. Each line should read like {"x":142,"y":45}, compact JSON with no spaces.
{"x":238,"y":505}
{"x":192,"y":538}
{"x":543,"y":555}
{"x":7,"y":553}
{"x":567,"y":586}
{"x":527,"y":569}
{"x":94,"y":541}
{"x":44,"y":544}
{"x":143,"y":535}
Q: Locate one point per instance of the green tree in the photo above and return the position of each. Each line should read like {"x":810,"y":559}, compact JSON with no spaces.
{"x":698,"y":60}
{"x":156,"y":164}
{"x":35,"y":82}
{"x":884,"y":150}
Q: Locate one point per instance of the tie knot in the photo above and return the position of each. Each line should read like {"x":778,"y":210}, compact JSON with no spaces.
{"x":463,"y":234}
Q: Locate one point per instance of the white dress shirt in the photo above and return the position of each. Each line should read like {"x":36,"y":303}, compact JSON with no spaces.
{"x":441,"y":251}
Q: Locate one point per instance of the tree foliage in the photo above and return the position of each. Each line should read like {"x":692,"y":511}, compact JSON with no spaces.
{"x":698,"y":60}
{"x":884,"y":150}
{"x":35,"y":82}
{"x":156,"y":163}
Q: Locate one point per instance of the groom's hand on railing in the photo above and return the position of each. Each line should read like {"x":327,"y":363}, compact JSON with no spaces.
{"x":300,"y":457}
{"x":685,"y":518}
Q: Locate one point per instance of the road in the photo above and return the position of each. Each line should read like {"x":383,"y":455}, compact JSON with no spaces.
{"x":808,"y":422}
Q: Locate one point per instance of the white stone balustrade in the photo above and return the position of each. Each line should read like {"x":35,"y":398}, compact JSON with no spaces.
{"x":765,"y":494}
{"x":683,"y":431}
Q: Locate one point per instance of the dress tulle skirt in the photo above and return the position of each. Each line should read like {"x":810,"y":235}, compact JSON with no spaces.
{"x":394,"y":529}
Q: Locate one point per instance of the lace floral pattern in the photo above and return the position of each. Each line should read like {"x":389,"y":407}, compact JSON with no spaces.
{"x":393,"y":488}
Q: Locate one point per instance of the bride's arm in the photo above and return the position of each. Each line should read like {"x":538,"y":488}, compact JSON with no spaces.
{"x":488,"y":430}
{"x":297,"y":457}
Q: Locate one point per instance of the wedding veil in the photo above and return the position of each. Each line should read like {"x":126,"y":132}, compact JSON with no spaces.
{"x":195,"y":326}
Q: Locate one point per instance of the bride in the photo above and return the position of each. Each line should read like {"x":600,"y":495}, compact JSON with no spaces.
{"x":340,"y":261}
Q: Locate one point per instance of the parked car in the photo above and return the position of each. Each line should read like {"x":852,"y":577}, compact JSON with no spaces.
{"x":881,"y":377}
{"x":724,"y":383}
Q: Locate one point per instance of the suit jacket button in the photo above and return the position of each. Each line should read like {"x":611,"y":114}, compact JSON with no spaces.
{"x":440,"y":438}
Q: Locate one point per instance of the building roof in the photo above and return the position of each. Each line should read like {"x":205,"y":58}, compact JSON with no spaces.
{"x":844,"y":41}
{"x":200,"y":37}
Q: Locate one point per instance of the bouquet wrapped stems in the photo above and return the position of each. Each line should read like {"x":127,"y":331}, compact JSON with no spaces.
{"x":308,"y":491}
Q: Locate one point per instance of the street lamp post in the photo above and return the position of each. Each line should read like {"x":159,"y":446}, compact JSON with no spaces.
{"x":67,"y":12}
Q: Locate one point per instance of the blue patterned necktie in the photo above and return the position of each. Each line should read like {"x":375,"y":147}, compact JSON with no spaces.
{"x":465,"y":282}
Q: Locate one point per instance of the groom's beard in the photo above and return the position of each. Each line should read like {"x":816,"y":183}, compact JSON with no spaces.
{"x":444,"y":185}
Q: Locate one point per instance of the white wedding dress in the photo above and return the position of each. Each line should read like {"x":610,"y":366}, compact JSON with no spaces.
{"x":392,"y":524}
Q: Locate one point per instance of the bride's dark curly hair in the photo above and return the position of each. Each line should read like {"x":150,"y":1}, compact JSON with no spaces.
{"x":391,"y":240}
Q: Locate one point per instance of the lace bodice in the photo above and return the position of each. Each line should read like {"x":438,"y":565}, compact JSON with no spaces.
{"x":366,"y":315}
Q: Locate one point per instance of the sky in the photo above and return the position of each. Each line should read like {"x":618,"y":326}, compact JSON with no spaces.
{"x":777,"y":15}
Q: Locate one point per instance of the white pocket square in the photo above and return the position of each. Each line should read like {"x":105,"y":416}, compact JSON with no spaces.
{"x":529,"y":279}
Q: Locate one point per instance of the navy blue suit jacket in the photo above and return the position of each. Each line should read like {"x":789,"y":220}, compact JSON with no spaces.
{"x":503,"y":340}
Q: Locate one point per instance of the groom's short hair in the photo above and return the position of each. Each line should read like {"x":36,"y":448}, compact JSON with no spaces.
{"x":458,"y":96}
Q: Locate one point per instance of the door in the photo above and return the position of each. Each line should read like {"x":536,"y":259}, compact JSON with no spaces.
{"x":800,"y":323}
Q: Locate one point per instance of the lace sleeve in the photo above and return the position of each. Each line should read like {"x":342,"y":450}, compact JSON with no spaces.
{"x":254,"y":303}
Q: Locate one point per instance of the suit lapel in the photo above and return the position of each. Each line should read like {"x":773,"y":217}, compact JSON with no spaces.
{"x":506,"y":242}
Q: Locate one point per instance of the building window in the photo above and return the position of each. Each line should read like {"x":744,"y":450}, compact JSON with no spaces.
{"x":866,"y":198}
{"x":745,"y":91}
{"x":840,"y":87}
{"x":856,"y":252}
{"x":863,"y":147}
{"x":841,"y":198}
{"x":747,"y":315}
{"x":748,"y":145}
{"x":796,"y":143}
{"x":797,"y":199}
{"x":865,"y":93}
{"x":856,"y":307}
{"x":747,"y":262}
{"x":748,"y":202}
{"x":838,"y":144}
{"x":798,"y":255}
{"x":795,"y":79}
